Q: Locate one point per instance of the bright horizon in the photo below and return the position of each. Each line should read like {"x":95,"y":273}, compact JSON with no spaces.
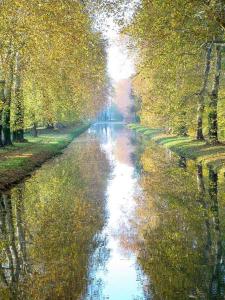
{"x":120,"y":64}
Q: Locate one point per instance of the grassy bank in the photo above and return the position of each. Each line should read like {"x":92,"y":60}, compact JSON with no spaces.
{"x":19,"y":160}
{"x":186,"y":146}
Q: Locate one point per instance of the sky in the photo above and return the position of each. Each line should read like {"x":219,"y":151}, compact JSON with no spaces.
{"x":120,"y":63}
{"x":120,"y":67}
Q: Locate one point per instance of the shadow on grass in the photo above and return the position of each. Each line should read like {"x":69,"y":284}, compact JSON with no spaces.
{"x":185,"y":146}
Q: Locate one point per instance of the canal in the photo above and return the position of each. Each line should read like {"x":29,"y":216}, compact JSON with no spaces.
{"x":114,"y":217}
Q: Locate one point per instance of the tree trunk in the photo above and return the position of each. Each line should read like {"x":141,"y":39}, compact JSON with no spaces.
{"x":203,"y":203}
{"x":7,"y":108}
{"x":6,"y":125}
{"x":200,"y":111}
{"x":2,"y":101}
{"x":11,"y":234}
{"x":35,"y":133}
{"x":6,"y":244}
{"x":216,"y":288}
{"x":212,"y":116}
{"x":200,"y":183}
{"x":21,"y":229}
{"x":201,"y":98}
{"x":18,"y":126}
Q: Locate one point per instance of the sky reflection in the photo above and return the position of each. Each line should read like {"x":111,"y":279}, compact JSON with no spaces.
{"x":120,"y":276}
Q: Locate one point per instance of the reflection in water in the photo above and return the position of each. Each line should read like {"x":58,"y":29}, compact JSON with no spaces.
{"x":114,"y":218}
{"x":179,"y":225}
{"x":50,"y":226}
{"x":119,"y":277}
{"x":59,"y":237}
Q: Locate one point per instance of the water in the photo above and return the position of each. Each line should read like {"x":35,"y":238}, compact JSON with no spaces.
{"x":115,"y":217}
{"x":119,"y":276}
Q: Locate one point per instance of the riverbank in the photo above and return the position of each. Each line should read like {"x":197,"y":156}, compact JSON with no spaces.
{"x":185,"y":146}
{"x":18,"y":161}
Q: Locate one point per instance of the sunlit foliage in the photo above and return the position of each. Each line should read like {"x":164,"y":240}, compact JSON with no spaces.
{"x":52,"y":63}
{"x":175,"y":88}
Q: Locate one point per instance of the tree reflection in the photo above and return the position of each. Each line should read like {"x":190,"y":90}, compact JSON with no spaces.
{"x":50,"y":227}
{"x":10,"y":265}
{"x":179,"y":230}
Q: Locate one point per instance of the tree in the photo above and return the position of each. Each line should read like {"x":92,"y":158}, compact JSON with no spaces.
{"x":175,"y":53}
{"x":213,"y":115}
{"x":49,"y":50}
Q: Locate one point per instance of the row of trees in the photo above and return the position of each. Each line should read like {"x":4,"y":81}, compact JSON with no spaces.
{"x":180,"y":64}
{"x":52,"y":65}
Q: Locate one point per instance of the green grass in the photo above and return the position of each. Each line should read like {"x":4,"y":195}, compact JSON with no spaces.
{"x":186,"y":146}
{"x":19,"y":160}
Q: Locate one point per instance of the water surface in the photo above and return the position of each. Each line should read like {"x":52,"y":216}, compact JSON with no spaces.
{"x":115,"y":217}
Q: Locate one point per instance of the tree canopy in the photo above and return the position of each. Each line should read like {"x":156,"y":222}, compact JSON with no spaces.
{"x":179,"y":66}
{"x":52,"y":64}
